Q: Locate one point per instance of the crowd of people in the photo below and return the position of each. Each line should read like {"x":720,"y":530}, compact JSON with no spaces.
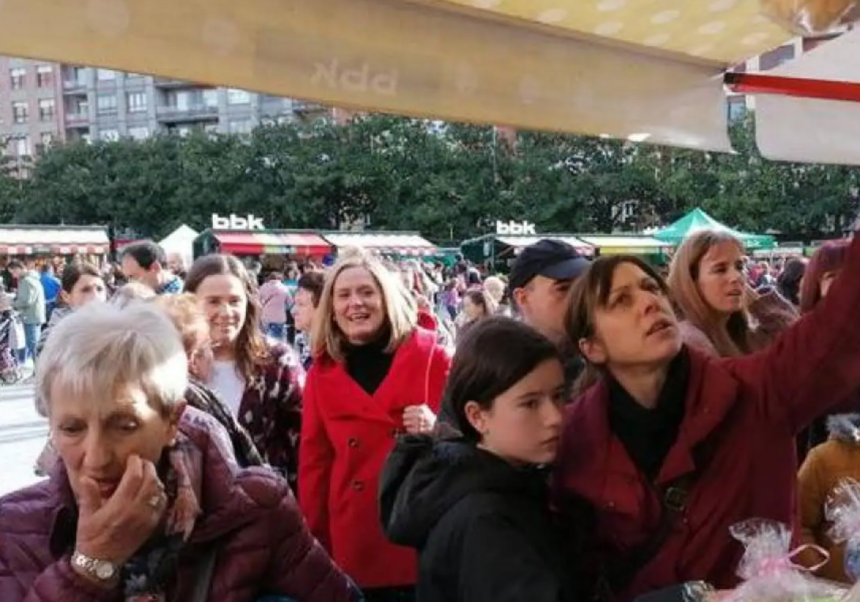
{"x":388,"y":431}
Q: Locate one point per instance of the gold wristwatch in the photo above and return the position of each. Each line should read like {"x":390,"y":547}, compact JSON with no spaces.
{"x":102,"y":571}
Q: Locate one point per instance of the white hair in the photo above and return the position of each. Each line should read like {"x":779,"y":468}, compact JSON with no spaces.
{"x":101,"y":348}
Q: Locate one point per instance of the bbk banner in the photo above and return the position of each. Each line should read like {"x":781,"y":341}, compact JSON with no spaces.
{"x":236,"y":222}
{"x":515,"y":228}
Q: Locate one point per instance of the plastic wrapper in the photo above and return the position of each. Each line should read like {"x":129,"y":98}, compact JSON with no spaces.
{"x":812,"y":17}
{"x":769,"y":570}
{"x":842,"y":511}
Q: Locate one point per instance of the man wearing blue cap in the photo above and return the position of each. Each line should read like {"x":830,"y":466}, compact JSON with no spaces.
{"x":540,"y":279}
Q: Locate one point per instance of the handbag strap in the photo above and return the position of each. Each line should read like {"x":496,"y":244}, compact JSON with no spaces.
{"x":205,"y":570}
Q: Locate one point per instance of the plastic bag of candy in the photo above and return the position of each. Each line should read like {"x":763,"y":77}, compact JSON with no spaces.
{"x":769,"y":570}
{"x":812,"y":17}
{"x":842,"y":511}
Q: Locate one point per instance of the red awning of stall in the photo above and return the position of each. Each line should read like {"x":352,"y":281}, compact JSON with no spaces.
{"x":53,"y":240}
{"x":394,"y":243}
{"x":271,"y":242}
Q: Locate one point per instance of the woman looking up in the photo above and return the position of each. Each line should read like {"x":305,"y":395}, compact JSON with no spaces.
{"x":671,"y":447}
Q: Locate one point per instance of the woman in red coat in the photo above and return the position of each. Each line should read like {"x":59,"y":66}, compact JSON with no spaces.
{"x":376,"y":374}
{"x":671,"y":447}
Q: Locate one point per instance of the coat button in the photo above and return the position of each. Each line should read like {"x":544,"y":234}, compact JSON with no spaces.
{"x":358,"y":485}
{"x":353,"y":442}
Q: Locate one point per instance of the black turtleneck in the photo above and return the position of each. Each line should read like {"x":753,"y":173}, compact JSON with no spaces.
{"x":368,"y":364}
{"x":649,"y":434}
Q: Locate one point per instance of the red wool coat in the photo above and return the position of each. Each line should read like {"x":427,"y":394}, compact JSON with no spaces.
{"x":346,"y":437}
{"x":746,"y":411}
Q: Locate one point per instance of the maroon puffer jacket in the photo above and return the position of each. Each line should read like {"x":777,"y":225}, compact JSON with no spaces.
{"x":250,"y":515}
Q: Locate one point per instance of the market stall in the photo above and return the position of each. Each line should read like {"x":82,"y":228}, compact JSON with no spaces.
{"x":54,"y":244}
{"x":272,"y":247}
{"x":392,"y":244}
{"x":697,"y":220}
{"x":497,"y":251}
{"x":651,"y":249}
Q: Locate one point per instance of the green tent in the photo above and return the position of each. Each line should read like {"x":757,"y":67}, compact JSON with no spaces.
{"x":699,"y":220}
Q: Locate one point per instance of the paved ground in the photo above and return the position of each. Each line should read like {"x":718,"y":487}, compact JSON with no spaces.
{"x":22,"y":435}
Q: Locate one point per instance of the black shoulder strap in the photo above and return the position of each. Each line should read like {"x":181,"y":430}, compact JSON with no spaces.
{"x":205,"y":570}
{"x":621,"y":572}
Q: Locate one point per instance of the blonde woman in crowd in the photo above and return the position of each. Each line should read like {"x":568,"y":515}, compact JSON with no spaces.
{"x":722,"y":315}
{"x":376,"y":374}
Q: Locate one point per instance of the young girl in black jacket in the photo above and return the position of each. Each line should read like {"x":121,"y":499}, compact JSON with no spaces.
{"x":474,"y":503}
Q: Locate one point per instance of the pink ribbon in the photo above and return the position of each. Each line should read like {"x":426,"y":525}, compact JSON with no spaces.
{"x":771,"y":566}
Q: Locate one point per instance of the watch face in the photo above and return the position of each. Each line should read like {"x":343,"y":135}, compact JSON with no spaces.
{"x":105,"y":571}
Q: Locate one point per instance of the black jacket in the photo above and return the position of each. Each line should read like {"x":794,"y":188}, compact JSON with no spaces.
{"x":482,"y":527}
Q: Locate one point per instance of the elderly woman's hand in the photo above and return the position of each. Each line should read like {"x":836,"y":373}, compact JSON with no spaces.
{"x":419,"y":419}
{"x":114,"y":529}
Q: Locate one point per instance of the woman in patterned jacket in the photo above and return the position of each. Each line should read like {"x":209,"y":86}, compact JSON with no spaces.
{"x":260,"y":381}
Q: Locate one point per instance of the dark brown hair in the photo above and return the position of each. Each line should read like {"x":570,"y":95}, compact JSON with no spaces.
{"x":491,"y":358}
{"x":828,"y":258}
{"x":591,"y":292}
{"x":252,"y":353}
{"x":313,"y":282}
{"x":73,"y":272}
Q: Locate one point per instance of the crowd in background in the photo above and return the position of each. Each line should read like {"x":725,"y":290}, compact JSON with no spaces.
{"x":417,"y":411}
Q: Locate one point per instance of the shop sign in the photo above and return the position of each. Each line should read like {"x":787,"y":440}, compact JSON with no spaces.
{"x":523,"y":228}
{"x":236,"y":222}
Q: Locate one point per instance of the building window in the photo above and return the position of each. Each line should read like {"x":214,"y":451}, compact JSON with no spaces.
{"x":75,"y":77}
{"x":45,"y":76}
{"x":241,"y":126}
{"x":47,"y":109}
{"x":17,"y":77}
{"x":109,"y":135}
{"x":136,"y":102}
{"x":106,"y":75}
{"x":737,"y":108}
{"x":238,"y":97}
{"x":22,"y":146}
{"x":106,"y":104}
{"x":20,"y":112}
{"x":138,"y":133}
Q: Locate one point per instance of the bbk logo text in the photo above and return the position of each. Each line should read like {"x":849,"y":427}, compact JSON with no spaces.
{"x":515,"y":228}
{"x":235,"y":222}
{"x":359,"y":79}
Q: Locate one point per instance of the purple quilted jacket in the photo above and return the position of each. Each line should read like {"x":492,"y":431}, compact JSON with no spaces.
{"x":264,"y":546}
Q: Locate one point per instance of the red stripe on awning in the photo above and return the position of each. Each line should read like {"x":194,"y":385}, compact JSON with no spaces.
{"x":747,"y":83}
{"x":237,"y":243}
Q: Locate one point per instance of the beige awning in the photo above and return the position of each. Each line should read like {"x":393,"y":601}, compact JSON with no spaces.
{"x":635,"y":69}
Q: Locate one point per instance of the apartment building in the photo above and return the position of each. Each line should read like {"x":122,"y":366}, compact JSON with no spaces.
{"x":42,"y":102}
{"x":31,"y":111}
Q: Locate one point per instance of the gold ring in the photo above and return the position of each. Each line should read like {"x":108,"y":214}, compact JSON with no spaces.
{"x":154,"y":502}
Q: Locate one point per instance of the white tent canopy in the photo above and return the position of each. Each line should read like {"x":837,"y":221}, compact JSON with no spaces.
{"x":180,"y":242}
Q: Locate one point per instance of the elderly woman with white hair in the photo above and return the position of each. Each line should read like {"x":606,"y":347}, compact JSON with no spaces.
{"x":147,"y":502}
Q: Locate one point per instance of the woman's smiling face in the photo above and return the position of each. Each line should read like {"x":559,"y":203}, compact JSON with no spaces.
{"x":359,"y":309}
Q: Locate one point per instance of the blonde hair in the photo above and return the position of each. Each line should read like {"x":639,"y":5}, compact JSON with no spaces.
{"x":401,"y":316}
{"x":495,"y":286}
{"x":101,"y":348}
{"x":731,"y":340}
{"x":190,"y":321}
